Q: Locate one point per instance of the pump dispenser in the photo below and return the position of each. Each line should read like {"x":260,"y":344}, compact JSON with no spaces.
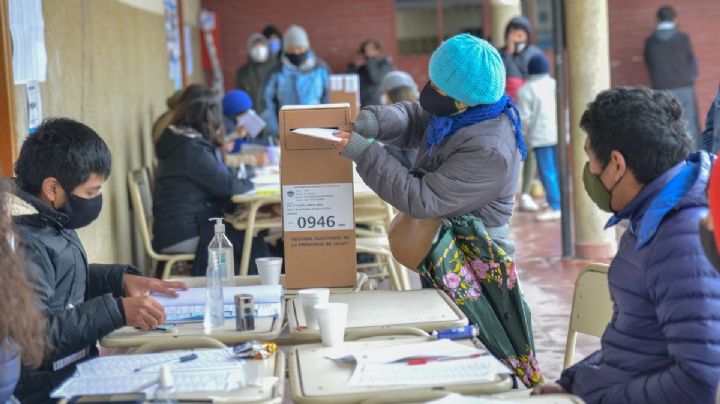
{"x":220,"y":252}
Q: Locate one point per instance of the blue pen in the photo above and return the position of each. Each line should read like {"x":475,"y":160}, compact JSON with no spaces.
{"x":186,"y":358}
{"x":468,"y":331}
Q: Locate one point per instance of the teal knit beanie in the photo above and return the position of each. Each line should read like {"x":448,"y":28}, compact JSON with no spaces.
{"x":468,"y":69}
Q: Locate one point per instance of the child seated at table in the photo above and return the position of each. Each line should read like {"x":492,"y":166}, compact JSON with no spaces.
{"x":193,"y":185}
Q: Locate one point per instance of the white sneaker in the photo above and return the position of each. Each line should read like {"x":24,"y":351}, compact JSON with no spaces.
{"x":549,"y":216}
{"x":528,"y":204}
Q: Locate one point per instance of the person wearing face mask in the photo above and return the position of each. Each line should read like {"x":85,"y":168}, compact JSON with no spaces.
{"x":22,"y":326}
{"x":274,"y":38}
{"x":516,"y":55}
{"x":60,"y":172}
{"x":301,"y":80}
{"x":661,"y":345}
{"x":193,"y":184}
{"x":470,"y":147}
{"x":253,"y":76}
{"x":375,"y":65}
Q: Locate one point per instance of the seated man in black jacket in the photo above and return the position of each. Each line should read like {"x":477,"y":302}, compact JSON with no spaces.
{"x":60,"y":173}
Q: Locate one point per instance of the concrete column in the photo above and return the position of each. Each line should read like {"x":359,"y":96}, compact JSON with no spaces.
{"x":501,"y":12}
{"x":589,"y":64}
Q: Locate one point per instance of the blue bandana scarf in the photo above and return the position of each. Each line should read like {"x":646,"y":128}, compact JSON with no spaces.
{"x":442,"y":127}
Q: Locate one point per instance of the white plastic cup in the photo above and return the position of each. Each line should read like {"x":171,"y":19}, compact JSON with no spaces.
{"x":332,"y":318}
{"x":308,"y":299}
{"x":269,"y":270}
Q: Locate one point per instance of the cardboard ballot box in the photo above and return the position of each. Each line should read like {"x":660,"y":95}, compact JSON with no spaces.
{"x":345,"y":88}
{"x":317,"y":198}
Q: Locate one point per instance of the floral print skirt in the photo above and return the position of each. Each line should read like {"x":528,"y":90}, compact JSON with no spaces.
{"x":480,"y":277}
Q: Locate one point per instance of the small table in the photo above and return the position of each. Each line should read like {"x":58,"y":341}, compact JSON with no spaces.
{"x":316,"y":379}
{"x":375,"y":312}
{"x":266,"y":329}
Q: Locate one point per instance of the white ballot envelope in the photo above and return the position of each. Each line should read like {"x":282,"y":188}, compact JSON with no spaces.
{"x":320,"y":133}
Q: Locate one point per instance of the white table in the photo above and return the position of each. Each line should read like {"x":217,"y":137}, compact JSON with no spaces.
{"x":316,"y":379}
{"x":380,"y":311}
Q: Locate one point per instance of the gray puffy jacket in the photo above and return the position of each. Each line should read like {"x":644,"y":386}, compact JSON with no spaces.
{"x":475,"y":170}
{"x":81,"y":302}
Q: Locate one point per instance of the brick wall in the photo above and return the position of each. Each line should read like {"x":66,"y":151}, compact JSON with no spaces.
{"x":335,"y":28}
{"x":631,"y":22}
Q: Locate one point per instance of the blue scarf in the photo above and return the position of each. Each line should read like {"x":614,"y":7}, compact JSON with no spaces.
{"x":442,"y":127}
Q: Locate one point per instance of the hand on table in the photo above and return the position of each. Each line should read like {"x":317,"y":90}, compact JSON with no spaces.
{"x":549,"y":388}
{"x":143,"y":312}
{"x":141,"y":286}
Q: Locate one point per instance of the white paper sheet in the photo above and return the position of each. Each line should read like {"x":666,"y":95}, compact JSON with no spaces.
{"x":196,"y":296}
{"x":126,"y":364}
{"x":27,"y":28}
{"x":480,"y":369}
{"x":213,"y":370}
{"x":184,"y":382}
{"x":320,"y":133}
{"x":252,"y":123}
{"x":389,"y":367}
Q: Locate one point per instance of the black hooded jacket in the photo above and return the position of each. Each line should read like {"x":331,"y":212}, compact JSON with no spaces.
{"x":191,"y":184}
{"x":81,"y":302}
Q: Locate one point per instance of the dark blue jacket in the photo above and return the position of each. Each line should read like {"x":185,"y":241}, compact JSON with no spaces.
{"x":663,"y":342}
{"x":711,"y":135}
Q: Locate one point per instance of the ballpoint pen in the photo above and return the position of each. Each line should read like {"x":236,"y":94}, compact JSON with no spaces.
{"x":424,"y":361}
{"x":186,"y":358}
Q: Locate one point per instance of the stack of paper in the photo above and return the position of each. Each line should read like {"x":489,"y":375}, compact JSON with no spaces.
{"x":436,"y":362}
{"x":213,"y":370}
{"x":189,"y":305}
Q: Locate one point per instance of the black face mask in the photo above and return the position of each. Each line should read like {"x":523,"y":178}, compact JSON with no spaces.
{"x":81,"y":211}
{"x":297,"y":58}
{"x":707,"y":238}
{"x":435,"y":103}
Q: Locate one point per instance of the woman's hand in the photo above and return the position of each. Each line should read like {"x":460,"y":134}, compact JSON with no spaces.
{"x":345,"y":131}
{"x":345,"y":136}
{"x":550,"y":388}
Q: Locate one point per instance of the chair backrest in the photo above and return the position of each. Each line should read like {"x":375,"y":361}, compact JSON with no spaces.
{"x":141,"y":199}
{"x":592,"y":307}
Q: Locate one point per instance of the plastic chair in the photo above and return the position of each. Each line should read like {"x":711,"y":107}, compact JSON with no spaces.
{"x":592,"y":307}
{"x":141,"y":199}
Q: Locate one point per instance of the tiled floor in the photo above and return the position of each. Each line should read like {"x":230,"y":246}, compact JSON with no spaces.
{"x":547,"y":283}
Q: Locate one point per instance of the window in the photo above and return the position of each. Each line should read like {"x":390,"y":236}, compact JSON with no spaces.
{"x":419,"y":29}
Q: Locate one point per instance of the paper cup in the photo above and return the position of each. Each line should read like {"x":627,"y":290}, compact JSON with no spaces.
{"x":332,"y":318}
{"x":269,"y":270}
{"x":308,"y":299}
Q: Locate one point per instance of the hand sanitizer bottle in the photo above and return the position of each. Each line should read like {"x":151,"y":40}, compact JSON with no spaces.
{"x":220,"y":251}
{"x":217,"y":266}
{"x":165,"y":392}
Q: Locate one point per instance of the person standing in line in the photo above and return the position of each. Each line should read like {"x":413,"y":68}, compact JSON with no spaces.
{"x":537,"y":105}
{"x":253,"y":76}
{"x":301,"y":80}
{"x":516,"y":55}
{"x":374,"y":68}
{"x":673,"y":67}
